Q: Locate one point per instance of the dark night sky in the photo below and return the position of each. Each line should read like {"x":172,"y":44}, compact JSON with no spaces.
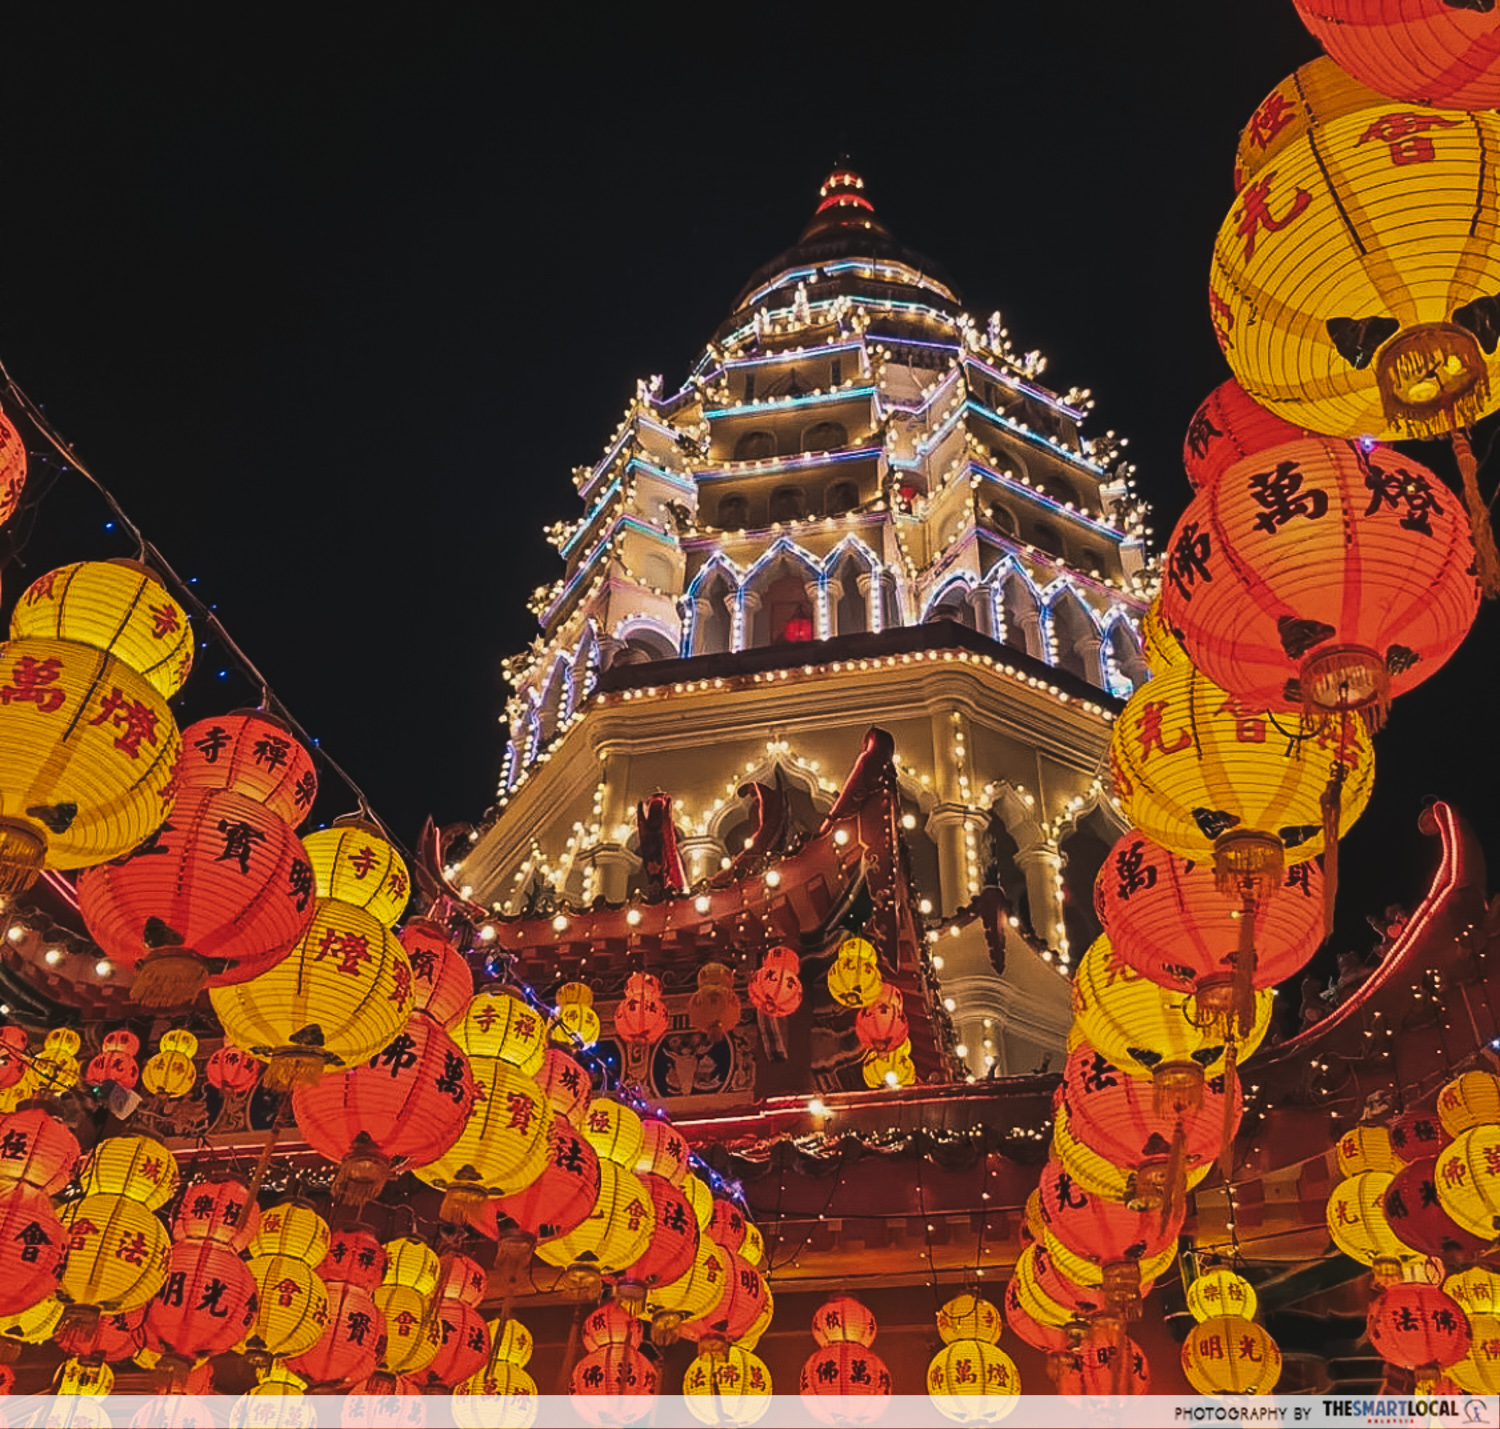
{"x":334,"y":313}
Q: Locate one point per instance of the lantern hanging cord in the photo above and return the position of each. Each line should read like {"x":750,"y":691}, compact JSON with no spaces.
{"x":150,"y":555}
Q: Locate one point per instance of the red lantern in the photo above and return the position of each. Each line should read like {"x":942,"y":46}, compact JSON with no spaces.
{"x":355,"y":1256}
{"x":109,"y":1338}
{"x":776,"y":985}
{"x":442,"y":983}
{"x":1440,"y":53}
{"x":252,"y":754}
{"x":32,"y":1245}
{"x":205,"y":1307}
{"x":610,"y":1324}
{"x":232,"y":1070}
{"x":664,"y":1150}
{"x":881,"y":1025}
{"x":744,"y":1299}
{"x":13,"y":1061}
{"x":1079,"y":1300}
{"x":349,"y":1348}
{"x":12,"y":469}
{"x":727,"y":1225}
{"x":1226,"y":429}
{"x":37,"y":1149}
{"x":1099,"y":1231}
{"x":1092,"y":1371}
{"x":219,"y":1208}
{"x":1050,"y":1339}
{"x":1167,"y":919}
{"x":1418,"y":1218}
{"x":566,"y":1084}
{"x":1416,"y":1135}
{"x":843,"y":1320}
{"x":1416,"y":1325}
{"x":116,"y":1061}
{"x":674,"y":1242}
{"x":614,"y":1385}
{"x":845,"y":1383}
{"x":218,"y":895}
{"x":1318,"y":574}
{"x":641,"y":1016}
{"x":463,"y":1278}
{"x":465,"y":1345}
{"x":561,"y":1198}
{"x":408,"y":1104}
{"x":384,"y":1401}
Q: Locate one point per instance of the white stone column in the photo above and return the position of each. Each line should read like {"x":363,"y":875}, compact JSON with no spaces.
{"x":1041,"y":863}
{"x":612,"y":866}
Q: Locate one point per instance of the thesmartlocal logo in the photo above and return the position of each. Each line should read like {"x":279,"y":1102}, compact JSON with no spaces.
{"x":1398,"y":1409}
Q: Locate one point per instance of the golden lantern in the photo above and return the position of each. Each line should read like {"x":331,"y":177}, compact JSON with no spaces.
{"x":413,"y":1334}
{"x":133,"y":1166}
{"x":1160,"y":645}
{"x":577,"y":1020}
{"x":117,"y":1253}
{"x":501,"y":1396}
{"x":664,"y":1151}
{"x":700,"y":1198}
{"x":1476,"y":1289}
{"x":1230,"y":1355}
{"x":510,"y":1342}
{"x":753,"y":1247}
{"x":854,"y":980}
{"x":1358,"y":1225}
{"x":694,"y":1295}
{"x":615,"y":1234}
{"x":1102,"y":1178}
{"x":75,"y":1377}
{"x":352,"y":862}
{"x":503,"y":1147}
{"x":715,"y":1007}
{"x":33,"y":1326}
{"x":413,"y":1263}
{"x":335,"y":1000}
{"x":1082,"y":1271}
{"x":973,"y":1382}
{"x":1468,"y":1180}
{"x":171,"y":1073}
{"x":292,"y":1228}
{"x":1366,"y":1147}
{"x":1034,"y":1301}
{"x":55,"y":1070}
{"x":729,"y":1388}
{"x":500,"y":1023}
{"x":969,"y":1317}
{"x":613,"y":1130}
{"x":292,"y":1308}
{"x":890,"y":1069}
{"x":1216,"y":1293}
{"x":1470,"y":1100}
{"x":1479,"y":1370}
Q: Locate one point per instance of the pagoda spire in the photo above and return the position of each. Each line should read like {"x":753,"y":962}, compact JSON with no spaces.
{"x":842,"y":204}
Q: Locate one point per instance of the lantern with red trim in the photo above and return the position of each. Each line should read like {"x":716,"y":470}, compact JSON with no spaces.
{"x":12,"y":468}
{"x":1095,"y":1370}
{"x":461,"y":1277}
{"x":641,"y":1014}
{"x":740,"y":1306}
{"x":38,"y":1150}
{"x":115,"y":1061}
{"x":218,"y":1208}
{"x":613,"y":1385}
{"x":664,"y":1150}
{"x":406,"y":1106}
{"x":1228,"y":427}
{"x":1415,"y":1213}
{"x":32,"y":1245}
{"x":775,"y":987}
{"x":715,"y":1007}
{"x":218,"y":895}
{"x":233,"y":1070}
{"x":881,"y":1024}
{"x":442,"y":984}
{"x":1418,"y":1326}
{"x":843,"y":1320}
{"x":673,"y":1244}
{"x":566,"y":1084}
{"x":1039,"y":1320}
{"x":110,"y":1337}
{"x":205,"y":1307}
{"x":1431,"y":52}
{"x":1102,"y":1232}
{"x":561,"y":1198}
{"x":252,"y":754}
{"x":610,"y":1324}
{"x":349,"y":1347}
{"x":464,"y":1342}
{"x":1415,"y":1135}
{"x":845,"y":1383}
{"x":354,"y":1255}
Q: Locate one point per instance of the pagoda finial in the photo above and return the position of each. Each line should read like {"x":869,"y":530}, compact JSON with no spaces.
{"x":843,"y":188}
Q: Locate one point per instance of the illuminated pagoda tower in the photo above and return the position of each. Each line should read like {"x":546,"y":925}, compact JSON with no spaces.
{"x":862,"y":509}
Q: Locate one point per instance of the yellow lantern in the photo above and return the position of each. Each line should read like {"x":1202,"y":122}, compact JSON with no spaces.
{"x":890,"y":1069}
{"x":1102,"y":1178}
{"x":1036,"y":1227}
{"x":55,"y":1070}
{"x":413,"y":1334}
{"x":760,"y":1324}
{"x":353,"y":863}
{"x":1470,"y":1100}
{"x":613,"y":1130}
{"x":733,"y":1387}
{"x":292,"y":1312}
{"x":576,"y":1015}
{"x":753,"y":1247}
{"x":500,"y":1024}
{"x":292,"y":1228}
{"x":334,"y":1001}
{"x":279,"y":1401}
{"x":134,"y":1166}
{"x":510,"y":1342}
{"x":854,"y":981}
{"x":90,"y":748}
{"x":171,"y":1073}
{"x":1086,"y":1273}
{"x":1476,"y":1289}
{"x":973,"y":1382}
{"x":969,"y":1317}
{"x":503,"y":1146}
{"x":694,"y":1295}
{"x":1468,"y":1180}
{"x":28,"y":1087}
{"x":413,"y":1263}
{"x":1217,"y":1293}
{"x":1479,"y":1370}
{"x":1230,"y":1355}
{"x":1367,"y":1148}
{"x":700,"y":1198}
{"x":502,"y":1396}
{"x":1159,"y":643}
{"x":75,"y":1377}
{"x":34,"y":1325}
{"x":1357,"y":1223}
{"x":117,"y":1253}
{"x":615,"y":1234}
{"x":1035,"y":1301}
{"x":1215,"y":782}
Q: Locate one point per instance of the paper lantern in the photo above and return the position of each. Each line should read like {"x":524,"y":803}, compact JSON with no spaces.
{"x":1420,"y":51}
{"x":1230,"y":1355}
{"x":1217,"y":1293}
{"x":379,"y":1402}
{"x":461,"y":1277}
{"x":13,"y":1061}
{"x":1366,"y":1147}
{"x":12,"y":469}
{"x":110,"y":1337}
{"x":116,"y":1254}
{"x":881,"y":1025}
{"x":1472,"y":1099}
{"x":1228,"y":427}
{"x":641,"y":1014}
{"x":463,"y":1344}
{"x":753,"y":1247}
{"x":565,"y":1083}
{"x":252,"y":754}
{"x":845,"y":1384}
{"x":32,"y":1244}
{"x":411,"y":1262}
{"x":89,"y":751}
{"x":727,"y":1225}
{"x":75,"y":1377}
{"x":1416,"y":1135}
{"x":232,"y":1070}
{"x":205,"y":1306}
{"x":613,"y":1386}
{"x":221,"y":890}
{"x":35,"y":1325}
{"x":843,"y":1320}
{"x":1119,"y":1282}
{"x":340,"y":995}
{"x":412,"y":1336}
{"x":355,"y":1256}
{"x":134,"y":1166}
{"x":775,"y":987}
{"x":116,"y":1060}
{"x":1167,"y":918}
{"x":693,"y":1297}
{"x":1415,"y":1213}
{"x":1479,"y":1370}
{"x":1103,"y":1178}
{"x":218,"y":1208}
{"x":577,"y":1021}
{"x":738,"y":1309}
{"x":732,"y":1388}
{"x":353,"y":863}
{"x":1476,"y":1290}
{"x":969,"y":1317}
{"x":502,"y":1396}
{"x":890,"y":1069}
{"x":406,"y":1106}
{"x":561,"y":1198}
{"x":37,"y":1150}
{"x":170,"y":1072}
{"x":973,"y":1382}
{"x":1358,"y":1225}
{"x":610,"y":1324}
{"x":673,"y":1244}
{"x":664,"y":1150}
{"x":116,"y":606}
{"x":503,"y":1146}
{"x":56,"y":1069}
{"x":292,"y":1308}
{"x":499,"y":1023}
{"x":1040,"y":1321}
{"x":1210,"y":780}
{"x":615,"y":1233}
{"x":1098,"y":1231}
{"x":510,"y":1342}
{"x":715,"y":1007}
{"x":1416,"y":1325}
{"x":613,"y":1130}
{"x":1322,"y":575}
{"x":1160,"y":647}
{"x":1468,"y":1181}
{"x":854,"y":980}
{"x":1097,"y":1369}
{"x":442,"y":984}
{"x":700,"y":1198}
{"x":292,"y":1228}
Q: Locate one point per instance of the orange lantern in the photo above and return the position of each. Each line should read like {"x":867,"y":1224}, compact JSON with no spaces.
{"x":37,"y":1150}
{"x":843,"y":1320}
{"x":738,"y":1309}
{"x":881,"y":1025}
{"x":673,"y":1244}
{"x":218,"y":1208}
{"x":1227,"y":428}
{"x":349,"y":1347}
{"x":32,"y":1244}
{"x":641,"y":1015}
{"x":1418,"y":1326}
{"x":205,"y":1306}
{"x":1416,"y":1135}
{"x":116,"y":1060}
{"x":610,"y":1324}
{"x":462,"y":1278}
{"x":441,"y":979}
{"x":566,"y":1084}
{"x":1102,"y":1232}
{"x":615,"y":1385}
{"x":844,"y":1383}
{"x":775,"y":987}
{"x":464,"y":1345}
{"x":356,"y":1256}
{"x":1415,"y":1213}
{"x":12,"y":468}
{"x":1096,"y":1370}
{"x":728,"y":1225}
{"x":232,"y":1070}
{"x":561,"y":1198}
{"x":13,"y":1062}
{"x":252,"y":754}
{"x":613,"y":1236}
{"x":664,"y":1150}
{"x":715,"y":1007}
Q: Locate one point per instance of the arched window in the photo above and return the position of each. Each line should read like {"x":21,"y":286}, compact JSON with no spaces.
{"x":1075,"y":638}
{"x":1022,"y":612}
{"x":842,"y":496}
{"x":734,"y":513}
{"x":1003,"y":519}
{"x":755,"y":446}
{"x":1127,"y":657}
{"x":1046,"y":537}
{"x":788,"y":503}
{"x":713,"y":614}
{"x":851,"y":611}
{"x":825,"y":437}
{"x":953,"y":604}
{"x":643,"y":645}
{"x":780,"y":603}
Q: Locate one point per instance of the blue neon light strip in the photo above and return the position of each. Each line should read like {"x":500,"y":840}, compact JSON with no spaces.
{"x":1009,"y":379}
{"x":1033,"y":495}
{"x":612,"y":490}
{"x":797,"y":463}
{"x":784,"y":404}
{"x":620,"y":523}
{"x":1037,"y":439}
{"x":801,"y":354}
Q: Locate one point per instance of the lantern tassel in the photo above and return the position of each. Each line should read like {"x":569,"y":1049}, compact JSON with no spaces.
{"x":1227,"y":1128}
{"x":290,"y":1068}
{"x":1174,"y":1185}
{"x":463,"y":1205}
{"x":1486,"y":558}
{"x":169,"y":978}
{"x":362,"y":1173}
{"x":1332,"y":801}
